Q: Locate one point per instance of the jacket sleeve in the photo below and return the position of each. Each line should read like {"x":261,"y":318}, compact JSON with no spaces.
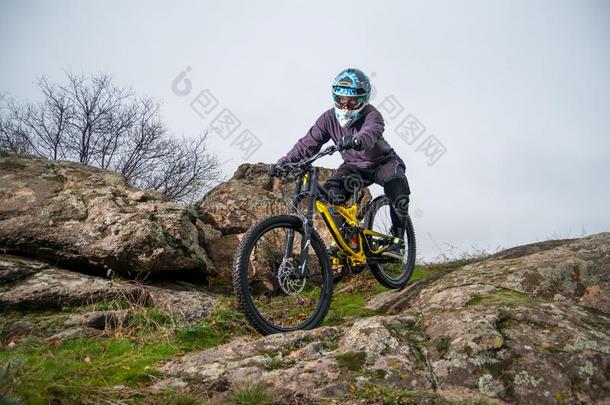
{"x":310,"y":144}
{"x":371,"y":130}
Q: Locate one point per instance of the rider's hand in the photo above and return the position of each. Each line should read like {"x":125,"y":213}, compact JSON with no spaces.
{"x":272,"y":170}
{"x":275,"y":170}
{"x":349,"y":142}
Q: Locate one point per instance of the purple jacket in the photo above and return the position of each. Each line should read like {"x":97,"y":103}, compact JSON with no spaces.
{"x":369,"y":128}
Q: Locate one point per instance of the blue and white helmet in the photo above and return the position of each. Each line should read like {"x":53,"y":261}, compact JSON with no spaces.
{"x":351,"y":91}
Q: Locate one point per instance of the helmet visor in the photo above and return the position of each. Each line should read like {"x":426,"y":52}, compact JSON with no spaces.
{"x":348,"y":102}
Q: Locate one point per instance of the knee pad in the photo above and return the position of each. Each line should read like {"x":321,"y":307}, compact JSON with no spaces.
{"x":397,"y":188}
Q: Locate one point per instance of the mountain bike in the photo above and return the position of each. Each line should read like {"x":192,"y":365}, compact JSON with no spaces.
{"x":282,"y":273}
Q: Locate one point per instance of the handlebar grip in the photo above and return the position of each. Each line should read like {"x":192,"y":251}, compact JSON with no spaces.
{"x":275,"y":170}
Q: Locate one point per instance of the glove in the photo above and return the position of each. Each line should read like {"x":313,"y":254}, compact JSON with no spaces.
{"x":275,"y":170}
{"x":349,"y":142}
{"x":272,"y":170}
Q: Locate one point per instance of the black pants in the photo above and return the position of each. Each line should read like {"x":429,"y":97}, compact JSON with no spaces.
{"x":348,"y":179}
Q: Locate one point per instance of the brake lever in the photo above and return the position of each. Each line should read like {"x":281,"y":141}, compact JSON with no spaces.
{"x":332,"y":149}
{"x":291,"y":166}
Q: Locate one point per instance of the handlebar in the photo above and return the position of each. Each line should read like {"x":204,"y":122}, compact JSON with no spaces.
{"x":288,"y":167}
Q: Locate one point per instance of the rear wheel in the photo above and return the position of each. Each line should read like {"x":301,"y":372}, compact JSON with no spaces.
{"x":270,"y":293}
{"x":391,"y":273}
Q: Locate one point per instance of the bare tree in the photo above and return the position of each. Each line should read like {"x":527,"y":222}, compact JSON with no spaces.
{"x":53,"y":116}
{"x":12,"y":137}
{"x":37,"y":128}
{"x":92,"y":121}
{"x":115,"y":128}
{"x":101,"y":115}
{"x":180,"y":174}
{"x":145,"y":143}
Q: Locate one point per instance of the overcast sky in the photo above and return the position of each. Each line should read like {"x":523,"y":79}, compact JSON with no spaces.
{"x":516,"y":93}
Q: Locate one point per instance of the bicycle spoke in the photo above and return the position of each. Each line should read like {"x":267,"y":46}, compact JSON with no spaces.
{"x":282,"y":298}
{"x":382,"y":222}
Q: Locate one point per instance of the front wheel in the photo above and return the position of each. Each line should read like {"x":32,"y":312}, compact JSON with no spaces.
{"x":391,"y":274}
{"x":270,"y":293}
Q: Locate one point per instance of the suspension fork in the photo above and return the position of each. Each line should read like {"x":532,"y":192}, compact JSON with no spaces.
{"x":311,"y":189}
{"x":289,"y":243}
{"x":290,"y":235}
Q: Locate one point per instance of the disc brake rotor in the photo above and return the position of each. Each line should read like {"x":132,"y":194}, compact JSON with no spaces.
{"x":287,"y":280}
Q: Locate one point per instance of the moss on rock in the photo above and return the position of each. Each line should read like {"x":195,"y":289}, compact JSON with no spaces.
{"x":351,"y":360}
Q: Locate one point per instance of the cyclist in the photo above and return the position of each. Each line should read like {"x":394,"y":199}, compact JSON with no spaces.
{"x":356,"y":127}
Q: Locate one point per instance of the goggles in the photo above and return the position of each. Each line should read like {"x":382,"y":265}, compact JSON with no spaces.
{"x":348,"y":102}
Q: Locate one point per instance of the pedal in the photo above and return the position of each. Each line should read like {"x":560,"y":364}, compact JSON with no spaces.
{"x":392,"y":255}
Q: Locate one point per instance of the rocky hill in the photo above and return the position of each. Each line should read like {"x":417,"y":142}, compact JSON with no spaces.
{"x":110,"y":294}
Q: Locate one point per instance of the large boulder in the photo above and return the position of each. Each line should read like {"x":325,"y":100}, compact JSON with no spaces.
{"x":246,"y":198}
{"x":529,"y":326}
{"x":81,"y":217}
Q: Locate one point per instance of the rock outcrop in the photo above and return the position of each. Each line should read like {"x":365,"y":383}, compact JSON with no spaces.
{"x":249,"y":196}
{"x":529,"y":327}
{"x":35,"y":287}
{"x":84,"y":218}
{"x":235,"y":205}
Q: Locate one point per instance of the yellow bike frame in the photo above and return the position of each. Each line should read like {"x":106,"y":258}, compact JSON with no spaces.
{"x":358,"y":256}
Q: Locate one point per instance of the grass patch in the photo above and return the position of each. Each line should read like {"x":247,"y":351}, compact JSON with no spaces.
{"x":348,"y":304}
{"x":218,"y":328}
{"x":144,"y":321}
{"x":421,"y":273}
{"x":503,"y":297}
{"x":70,"y":370}
{"x":34,"y":324}
{"x":252,"y":394}
{"x":351,"y":296}
{"x":388,"y":395}
{"x":77,"y":369}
